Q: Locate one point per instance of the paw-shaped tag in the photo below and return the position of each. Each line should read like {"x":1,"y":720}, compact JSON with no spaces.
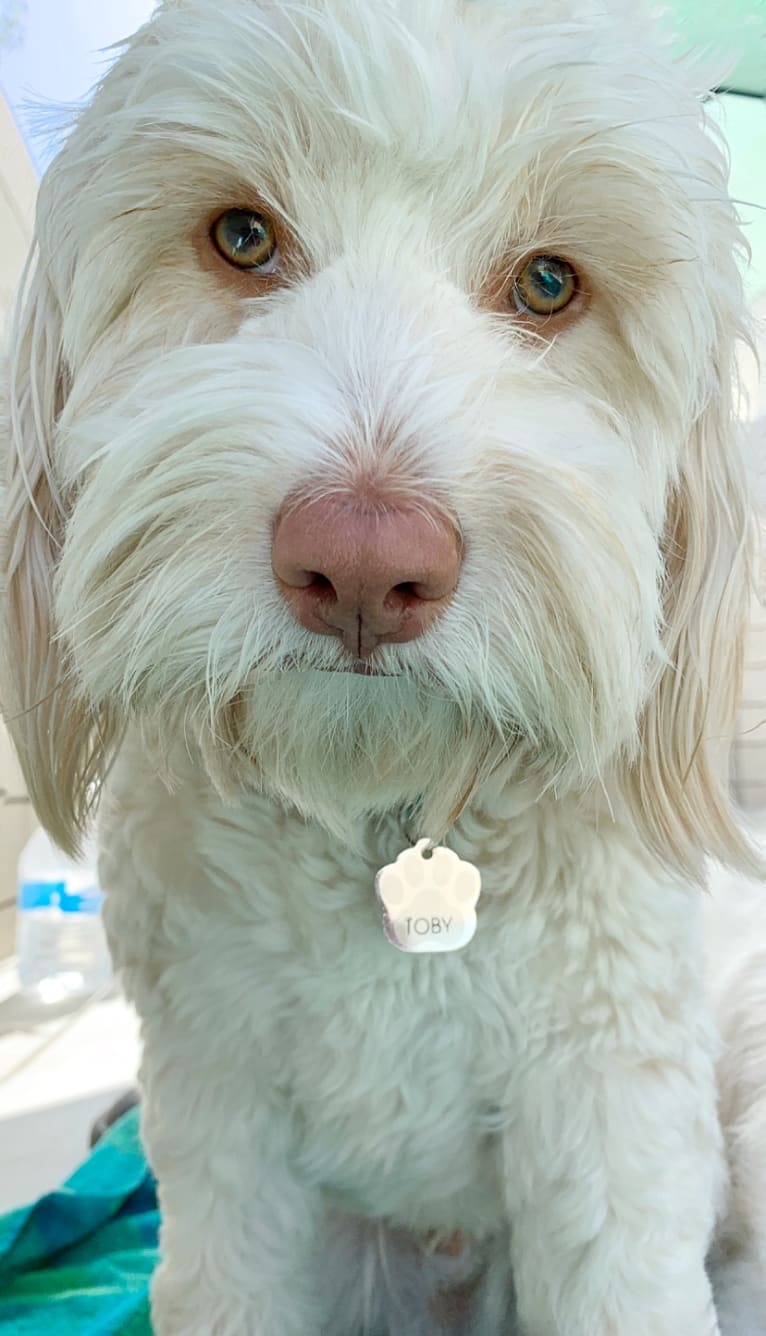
{"x":429,"y":904}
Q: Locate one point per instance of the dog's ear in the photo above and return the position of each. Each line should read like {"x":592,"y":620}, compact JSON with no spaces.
{"x":680,"y":786}
{"x":60,"y":743}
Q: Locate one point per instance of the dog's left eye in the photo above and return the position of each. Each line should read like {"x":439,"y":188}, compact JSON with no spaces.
{"x":245,"y":238}
{"x":545,"y":285}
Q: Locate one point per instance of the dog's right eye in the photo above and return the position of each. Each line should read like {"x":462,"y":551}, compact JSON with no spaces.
{"x":545,"y":286}
{"x":245,"y":239}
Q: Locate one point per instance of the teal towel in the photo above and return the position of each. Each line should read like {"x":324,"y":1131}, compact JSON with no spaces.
{"x":79,"y":1261}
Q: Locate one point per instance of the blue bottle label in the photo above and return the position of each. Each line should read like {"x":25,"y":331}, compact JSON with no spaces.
{"x":54,"y":895}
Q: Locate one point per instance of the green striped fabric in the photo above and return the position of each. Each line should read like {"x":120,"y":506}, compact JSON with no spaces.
{"x":79,"y":1261}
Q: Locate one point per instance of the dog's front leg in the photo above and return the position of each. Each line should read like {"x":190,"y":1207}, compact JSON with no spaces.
{"x":239,"y":1227}
{"x":612,"y":1153}
{"x":611,"y":1204}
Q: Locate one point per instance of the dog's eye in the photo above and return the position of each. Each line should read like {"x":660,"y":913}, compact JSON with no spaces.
{"x":245,"y":238}
{"x":545,"y":285}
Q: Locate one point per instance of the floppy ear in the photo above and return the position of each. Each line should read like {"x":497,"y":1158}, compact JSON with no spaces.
{"x":59,"y":742}
{"x":680,"y":784}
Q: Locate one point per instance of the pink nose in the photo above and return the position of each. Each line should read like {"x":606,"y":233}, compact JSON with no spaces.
{"x":366,"y":576}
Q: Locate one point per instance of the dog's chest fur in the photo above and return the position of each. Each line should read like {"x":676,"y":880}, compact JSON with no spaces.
{"x":396,"y":1090}
{"x":254,"y":937}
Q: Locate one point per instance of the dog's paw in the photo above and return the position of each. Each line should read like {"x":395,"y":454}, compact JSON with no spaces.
{"x":429,"y":903}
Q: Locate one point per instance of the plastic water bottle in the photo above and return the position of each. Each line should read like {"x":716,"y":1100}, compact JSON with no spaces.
{"x":60,"y":940}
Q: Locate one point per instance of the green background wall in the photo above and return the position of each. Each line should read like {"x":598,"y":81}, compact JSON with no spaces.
{"x":733,"y":32}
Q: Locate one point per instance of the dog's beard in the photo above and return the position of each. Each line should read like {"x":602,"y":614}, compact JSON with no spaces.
{"x":340,"y":746}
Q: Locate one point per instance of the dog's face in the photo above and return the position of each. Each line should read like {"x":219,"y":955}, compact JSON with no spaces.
{"x":394,"y":337}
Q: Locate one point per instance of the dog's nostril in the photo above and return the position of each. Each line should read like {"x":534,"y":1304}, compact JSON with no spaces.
{"x":320,"y":586}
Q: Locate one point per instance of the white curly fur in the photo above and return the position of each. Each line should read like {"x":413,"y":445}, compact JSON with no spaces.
{"x":318,"y":1105}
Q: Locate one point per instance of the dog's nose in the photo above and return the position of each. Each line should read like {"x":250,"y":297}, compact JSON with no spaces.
{"x":368,"y":575}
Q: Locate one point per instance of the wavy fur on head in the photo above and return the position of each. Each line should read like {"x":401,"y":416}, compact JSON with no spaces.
{"x":161,"y":411}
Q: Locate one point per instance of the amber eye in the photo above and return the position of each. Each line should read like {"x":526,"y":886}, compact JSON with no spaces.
{"x":545,"y":285}
{"x":245,"y":238}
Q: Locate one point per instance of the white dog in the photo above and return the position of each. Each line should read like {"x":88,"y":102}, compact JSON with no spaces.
{"x":736,"y":938}
{"x":373,"y":478}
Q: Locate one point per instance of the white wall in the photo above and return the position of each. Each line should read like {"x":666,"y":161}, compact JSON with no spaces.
{"x":18,"y":185}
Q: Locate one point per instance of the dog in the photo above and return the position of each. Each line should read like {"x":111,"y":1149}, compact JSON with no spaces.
{"x":735,"y":937}
{"x":373,"y":478}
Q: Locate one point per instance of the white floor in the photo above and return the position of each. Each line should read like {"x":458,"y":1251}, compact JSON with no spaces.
{"x":58,"y":1072}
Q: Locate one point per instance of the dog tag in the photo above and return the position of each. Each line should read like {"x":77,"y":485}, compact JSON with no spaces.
{"x":428,"y":899}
